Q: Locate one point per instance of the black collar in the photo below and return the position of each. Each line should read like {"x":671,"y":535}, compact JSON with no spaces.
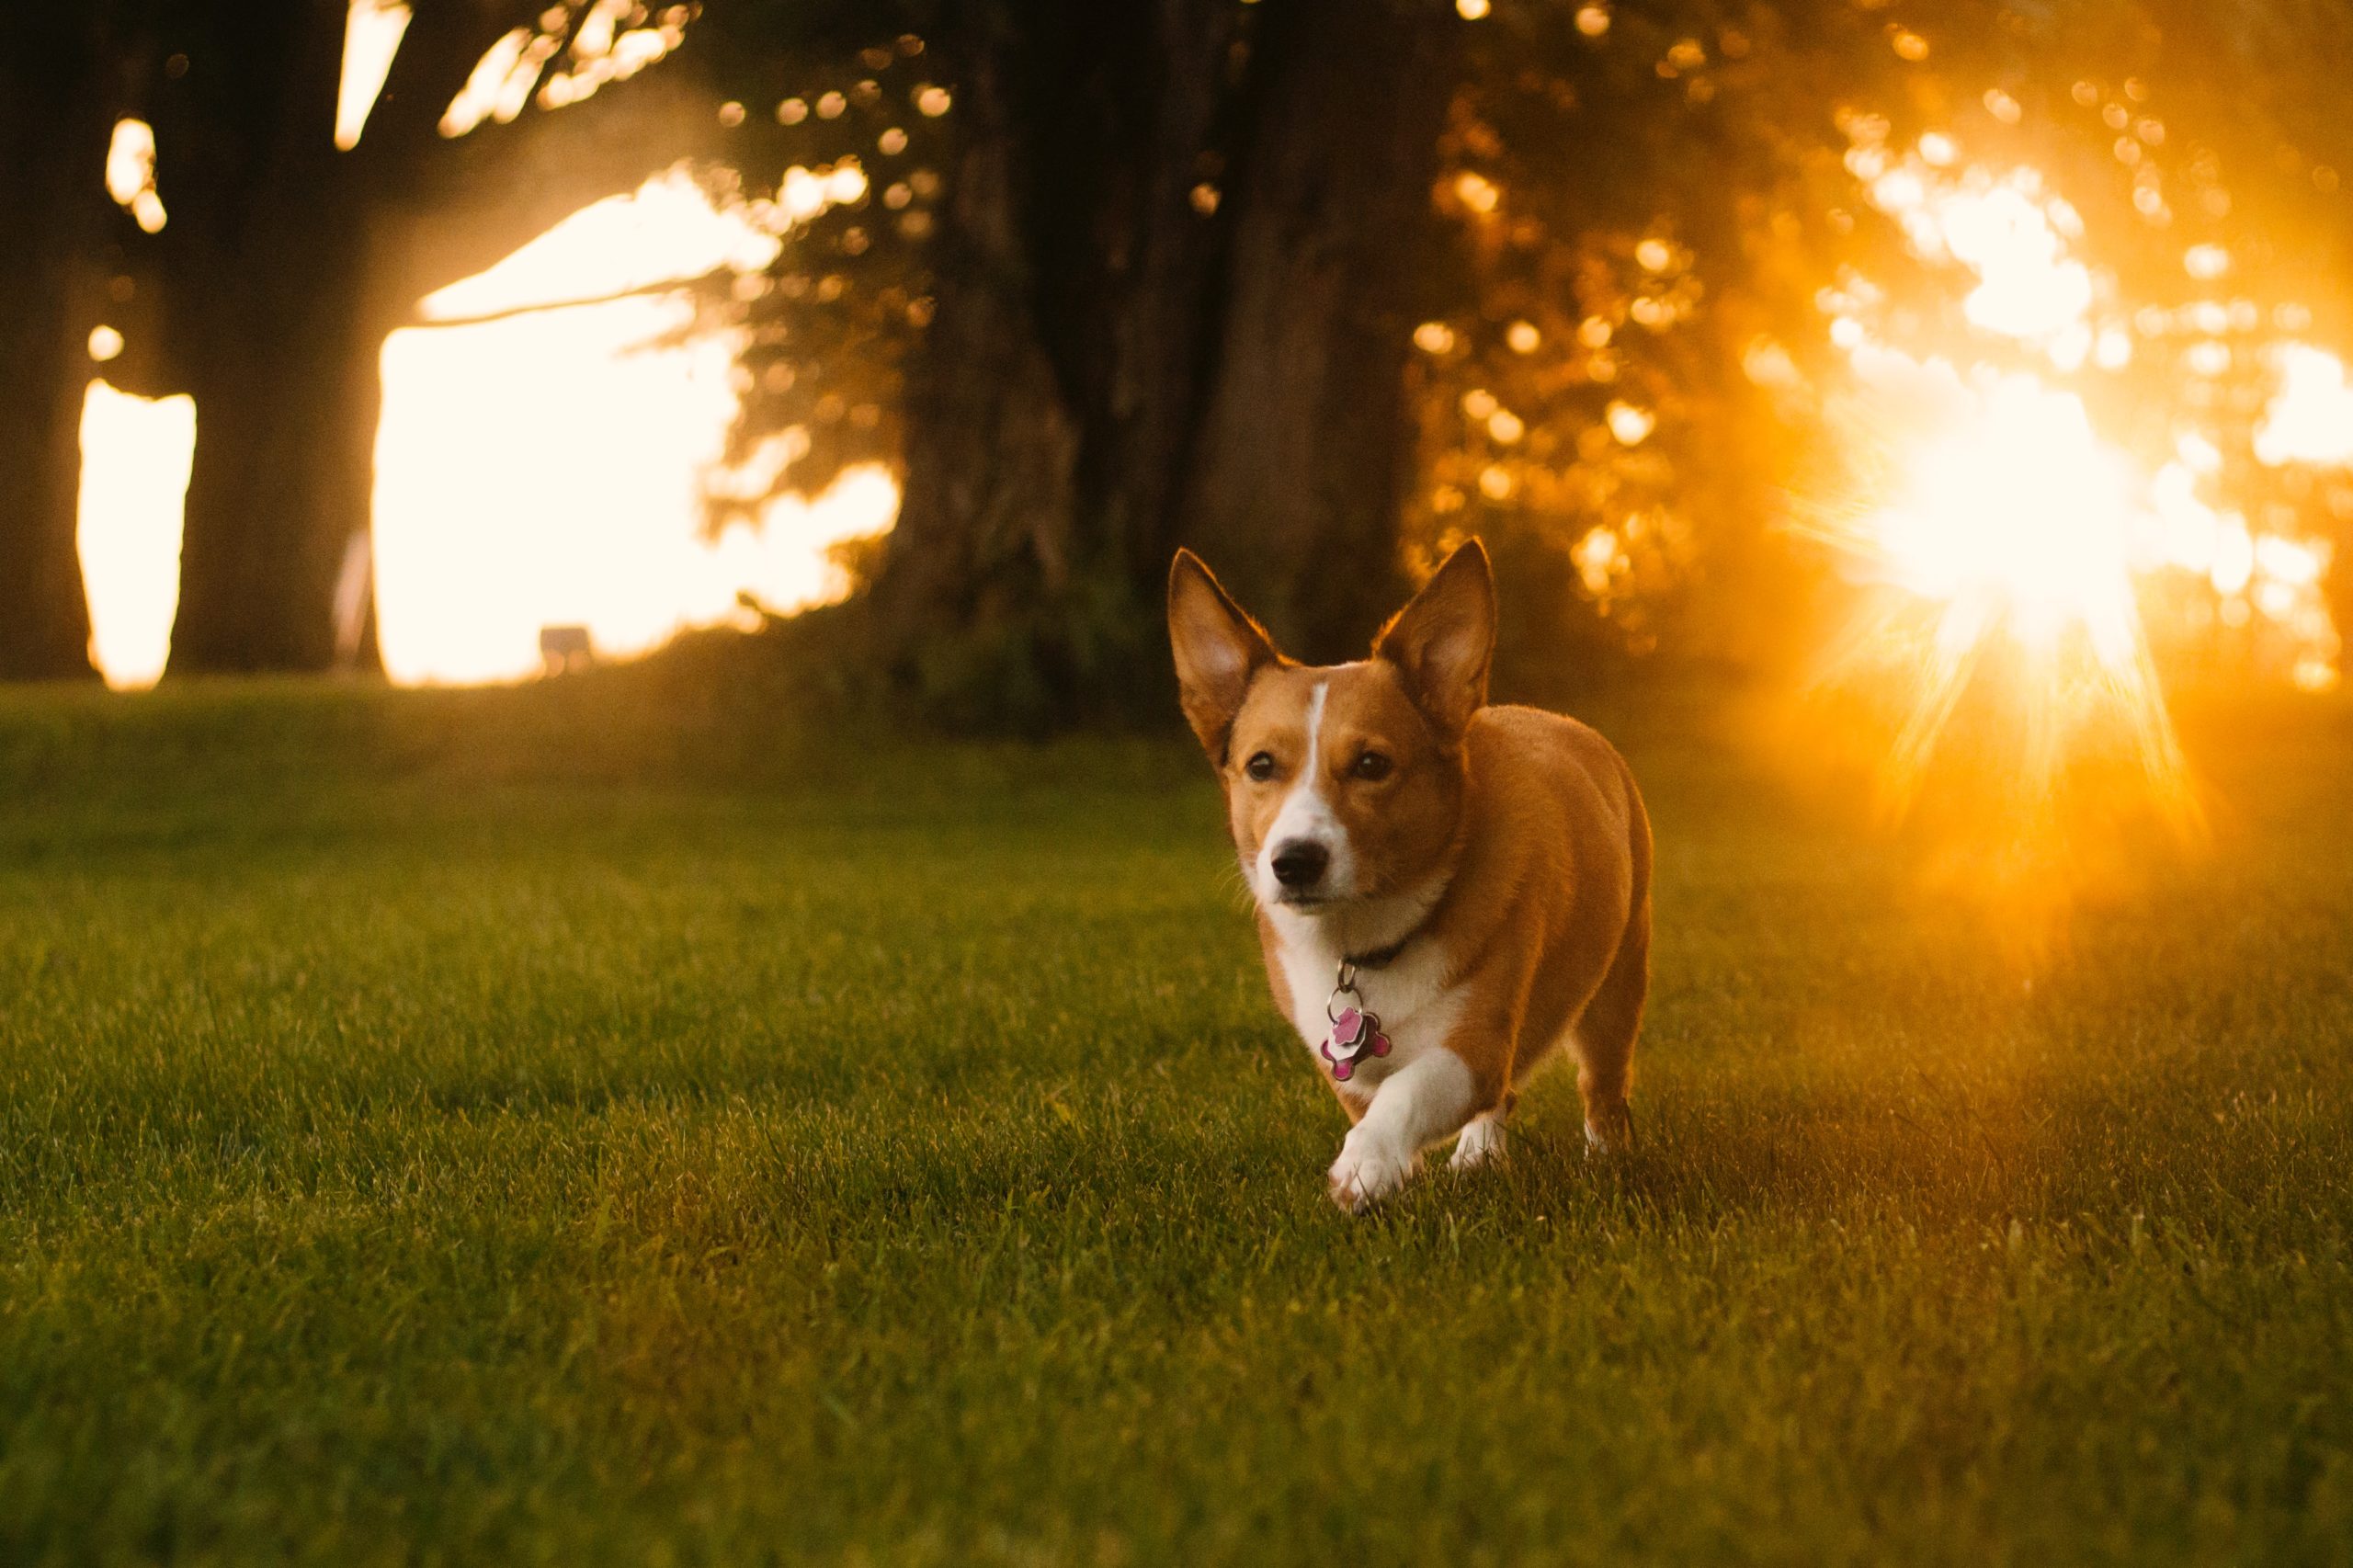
{"x":1382,"y":957}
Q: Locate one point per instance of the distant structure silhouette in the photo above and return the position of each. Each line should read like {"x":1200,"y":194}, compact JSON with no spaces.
{"x":565,"y":648}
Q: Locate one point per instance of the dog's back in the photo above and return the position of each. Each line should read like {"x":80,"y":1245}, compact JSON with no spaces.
{"x":1559,"y":853}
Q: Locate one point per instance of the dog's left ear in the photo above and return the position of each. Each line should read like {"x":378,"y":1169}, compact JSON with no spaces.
{"x":1219,"y":648}
{"x":1444,"y":641}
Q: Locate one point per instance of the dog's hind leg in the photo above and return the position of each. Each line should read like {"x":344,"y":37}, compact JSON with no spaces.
{"x":1604,"y":1037}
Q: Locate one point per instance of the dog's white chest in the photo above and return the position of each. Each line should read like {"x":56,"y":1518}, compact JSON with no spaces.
{"x":1416,"y":1009}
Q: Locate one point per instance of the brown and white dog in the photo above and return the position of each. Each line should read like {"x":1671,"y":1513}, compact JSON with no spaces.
{"x":1477,"y":876}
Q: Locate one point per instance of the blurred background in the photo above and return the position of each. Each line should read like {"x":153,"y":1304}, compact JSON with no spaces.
{"x":1930,"y":356}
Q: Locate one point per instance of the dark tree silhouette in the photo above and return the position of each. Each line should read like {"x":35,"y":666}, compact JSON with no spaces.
{"x":55,"y":94}
{"x":1170,"y":279}
{"x":295,"y":261}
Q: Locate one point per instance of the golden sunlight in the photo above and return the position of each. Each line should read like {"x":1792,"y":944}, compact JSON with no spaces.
{"x":542,"y":461}
{"x":135,"y":456}
{"x":130,"y":174}
{"x":2013,"y":511}
{"x":2009,"y":518}
{"x":1992,"y":506}
{"x":544,"y":464}
{"x":1996,"y":517}
{"x":2311,"y":419}
{"x":372,"y":33}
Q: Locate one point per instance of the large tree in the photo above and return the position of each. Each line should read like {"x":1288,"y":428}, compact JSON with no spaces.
{"x":268,"y":295}
{"x":55,"y":93}
{"x":294,"y":261}
{"x":1169,"y":281}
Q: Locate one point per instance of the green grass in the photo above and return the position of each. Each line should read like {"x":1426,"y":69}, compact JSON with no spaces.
{"x":586,"y":1125}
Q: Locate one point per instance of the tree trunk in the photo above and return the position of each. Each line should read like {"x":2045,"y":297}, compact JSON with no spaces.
{"x":265,"y":306}
{"x":300,"y":260}
{"x":1158,"y":248}
{"x":286,"y":399}
{"x":53,"y":129}
{"x":1049,"y":404}
{"x":1301,"y":475}
{"x":988,"y":516}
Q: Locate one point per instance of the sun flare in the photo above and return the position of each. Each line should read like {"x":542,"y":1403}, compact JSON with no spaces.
{"x":1992,"y":512}
{"x":2016,"y":515}
{"x":2011,"y":522}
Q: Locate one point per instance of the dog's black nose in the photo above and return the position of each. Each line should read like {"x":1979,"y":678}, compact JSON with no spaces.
{"x":1300,"y":863}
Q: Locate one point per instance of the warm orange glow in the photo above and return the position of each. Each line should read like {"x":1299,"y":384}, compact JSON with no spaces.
{"x":479,"y":97}
{"x":372,"y":31}
{"x":1991,"y":511}
{"x":135,"y":456}
{"x":2012,"y":234}
{"x":1996,"y":510}
{"x":605,"y":49}
{"x":2015,"y":511}
{"x":1630,"y":425}
{"x":2310,"y":419}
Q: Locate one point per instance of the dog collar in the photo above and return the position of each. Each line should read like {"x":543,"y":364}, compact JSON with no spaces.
{"x":1379,"y":958}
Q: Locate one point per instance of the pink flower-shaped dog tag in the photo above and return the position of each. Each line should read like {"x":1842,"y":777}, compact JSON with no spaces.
{"x":1354,"y":1034}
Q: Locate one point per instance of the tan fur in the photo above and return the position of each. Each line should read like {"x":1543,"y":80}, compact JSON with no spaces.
{"x":1527,"y":825}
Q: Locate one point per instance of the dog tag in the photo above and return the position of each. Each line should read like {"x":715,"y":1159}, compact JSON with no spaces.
{"x":1356,"y":1034}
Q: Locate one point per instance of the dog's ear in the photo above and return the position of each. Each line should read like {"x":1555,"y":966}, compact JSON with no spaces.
{"x":1443,"y":642}
{"x":1218,"y":649}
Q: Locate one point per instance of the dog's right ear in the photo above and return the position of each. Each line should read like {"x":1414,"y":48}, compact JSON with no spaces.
{"x":1218,"y":650}
{"x":1444,"y":641}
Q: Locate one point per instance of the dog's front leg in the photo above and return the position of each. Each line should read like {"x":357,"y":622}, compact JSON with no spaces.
{"x":1428,"y":1098}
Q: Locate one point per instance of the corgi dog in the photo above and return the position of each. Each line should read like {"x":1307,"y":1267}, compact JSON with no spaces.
{"x":1450,"y":895}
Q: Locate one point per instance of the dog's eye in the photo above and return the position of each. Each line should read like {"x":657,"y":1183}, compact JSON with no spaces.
{"x":1372,"y":766}
{"x":1260,"y":767}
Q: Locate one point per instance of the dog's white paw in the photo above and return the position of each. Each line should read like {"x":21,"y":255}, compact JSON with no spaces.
{"x":1482,"y":1143}
{"x":1367,"y":1171}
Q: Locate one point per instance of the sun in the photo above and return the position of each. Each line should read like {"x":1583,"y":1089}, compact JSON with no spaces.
{"x":2005,"y":551}
{"x":2005,"y":536}
{"x":2018,"y":518}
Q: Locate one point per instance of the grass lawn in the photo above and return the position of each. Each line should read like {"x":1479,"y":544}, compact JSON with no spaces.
{"x":573,"y":1124}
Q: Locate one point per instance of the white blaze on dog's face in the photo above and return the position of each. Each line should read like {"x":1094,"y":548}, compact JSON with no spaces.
{"x":1343,"y":782}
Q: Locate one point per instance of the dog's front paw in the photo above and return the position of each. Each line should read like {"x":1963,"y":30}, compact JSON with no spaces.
{"x":1367,"y":1171}
{"x":1482,"y":1143}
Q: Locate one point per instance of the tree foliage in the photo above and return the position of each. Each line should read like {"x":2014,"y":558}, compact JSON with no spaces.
{"x":1660,"y":209}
